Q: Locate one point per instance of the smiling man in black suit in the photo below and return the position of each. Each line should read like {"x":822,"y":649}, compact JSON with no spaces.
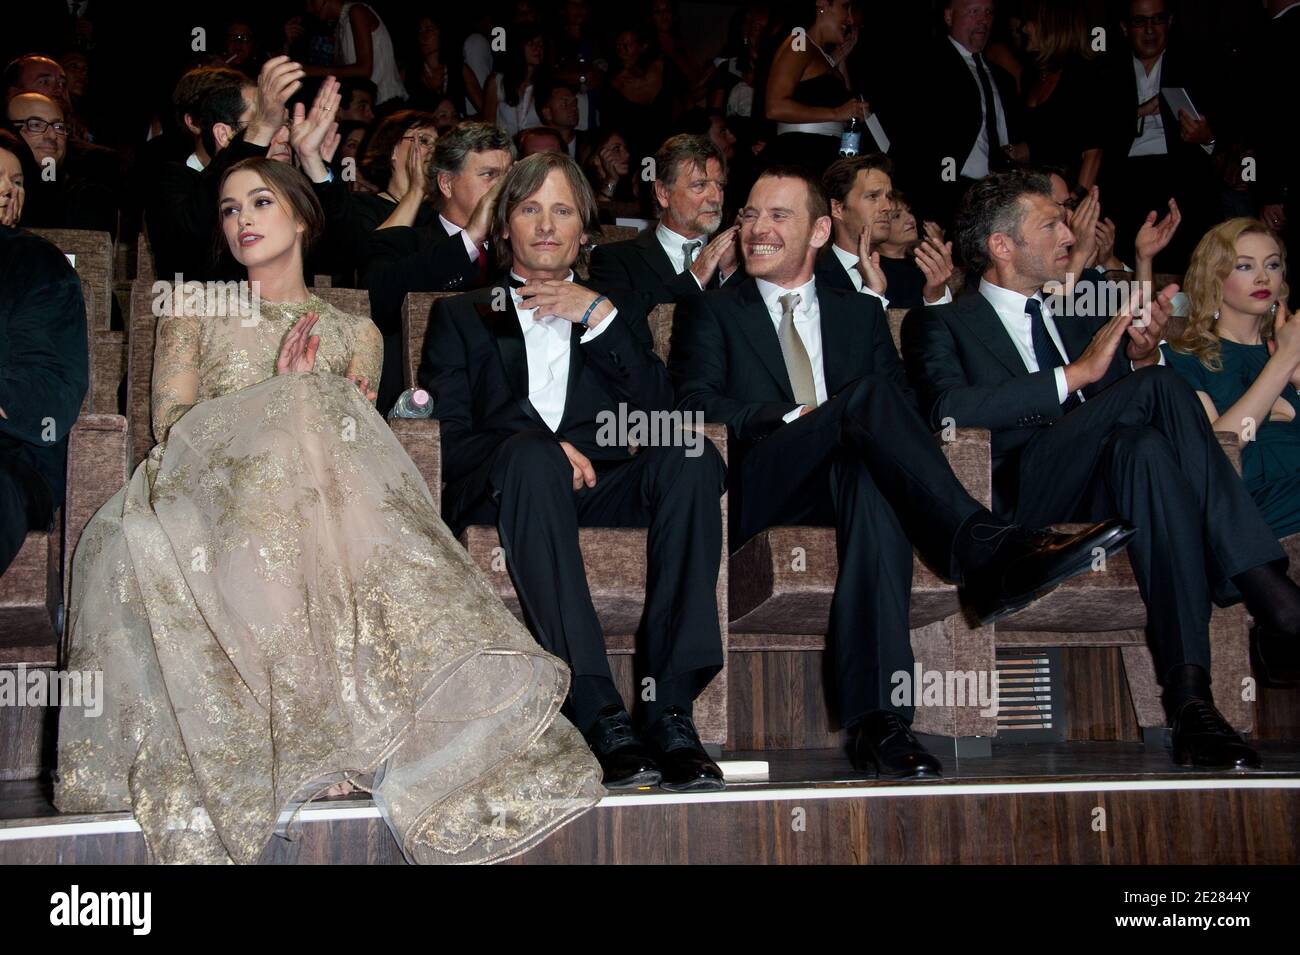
{"x":525,"y":377}
{"x":1086,"y":426}
{"x":824,"y":430}
{"x":678,"y":257}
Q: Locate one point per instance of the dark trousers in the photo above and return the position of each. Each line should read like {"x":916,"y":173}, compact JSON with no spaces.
{"x":867,"y":464}
{"x":25,"y":505}
{"x":1145,"y":451}
{"x":537,"y":513}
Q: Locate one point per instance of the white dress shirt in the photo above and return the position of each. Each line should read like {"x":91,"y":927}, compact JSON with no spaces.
{"x":850,"y":262}
{"x":547,"y":340}
{"x":1010,"y":307}
{"x":808,"y":325}
{"x":451,"y":228}
{"x":672,"y":244}
{"x":977,"y":163}
{"x":194,"y":162}
{"x":1151,"y":142}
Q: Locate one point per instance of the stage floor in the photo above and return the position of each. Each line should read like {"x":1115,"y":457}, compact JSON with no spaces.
{"x":1025,"y":803}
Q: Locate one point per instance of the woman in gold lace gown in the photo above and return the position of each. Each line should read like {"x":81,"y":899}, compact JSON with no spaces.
{"x":277,"y":607}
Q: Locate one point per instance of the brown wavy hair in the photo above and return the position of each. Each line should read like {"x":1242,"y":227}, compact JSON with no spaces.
{"x":1210,"y":264}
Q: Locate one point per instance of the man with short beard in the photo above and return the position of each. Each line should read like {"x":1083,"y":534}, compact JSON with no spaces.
{"x":1087,"y":426}
{"x":677,"y":258}
{"x":824,"y":430}
{"x":522,"y":374}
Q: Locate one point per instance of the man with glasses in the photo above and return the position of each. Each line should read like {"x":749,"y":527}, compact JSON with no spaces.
{"x":1158,"y":153}
{"x":62,"y":197}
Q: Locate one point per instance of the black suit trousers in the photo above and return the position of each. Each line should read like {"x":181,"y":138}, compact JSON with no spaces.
{"x":1144,"y":450}
{"x":665,"y":489}
{"x":25,"y":505}
{"x":865,"y":463}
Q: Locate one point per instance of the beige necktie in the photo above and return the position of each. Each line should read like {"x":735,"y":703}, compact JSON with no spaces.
{"x":797,"y":365}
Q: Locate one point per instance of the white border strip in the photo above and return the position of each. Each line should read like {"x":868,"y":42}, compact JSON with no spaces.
{"x":341,"y":813}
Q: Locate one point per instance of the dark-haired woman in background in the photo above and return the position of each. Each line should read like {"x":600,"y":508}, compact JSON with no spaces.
{"x":509,"y":100}
{"x":1060,"y":91}
{"x":807,"y":93}
{"x":607,"y":163}
{"x":435,"y":71}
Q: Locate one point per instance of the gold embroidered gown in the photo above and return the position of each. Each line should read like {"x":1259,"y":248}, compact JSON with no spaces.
{"x":276,"y":607}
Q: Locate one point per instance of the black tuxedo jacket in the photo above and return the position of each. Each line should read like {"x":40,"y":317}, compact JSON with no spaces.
{"x":945,"y":115}
{"x":726,"y":357}
{"x":413,"y":259}
{"x":182,"y":218}
{"x":831,"y":273}
{"x":965,"y":366}
{"x":475,"y":366}
{"x":642,"y":266}
{"x":1176,"y":70}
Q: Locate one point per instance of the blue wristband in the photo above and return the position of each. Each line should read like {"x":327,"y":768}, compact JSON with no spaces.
{"x":586,"y":316}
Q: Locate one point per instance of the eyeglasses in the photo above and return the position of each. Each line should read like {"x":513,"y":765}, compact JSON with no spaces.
{"x":424,"y":140}
{"x":34,"y":124}
{"x":1157,"y":20}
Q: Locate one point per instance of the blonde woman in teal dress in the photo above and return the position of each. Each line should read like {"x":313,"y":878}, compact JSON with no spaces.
{"x":1241,"y":352}
{"x":278,"y":609}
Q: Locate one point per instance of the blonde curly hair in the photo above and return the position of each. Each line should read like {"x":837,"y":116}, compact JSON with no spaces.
{"x":1211,"y":263}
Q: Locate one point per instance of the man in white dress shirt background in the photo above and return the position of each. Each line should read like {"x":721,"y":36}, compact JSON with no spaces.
{"x":961,"y":123}
{"x":685,"y":253}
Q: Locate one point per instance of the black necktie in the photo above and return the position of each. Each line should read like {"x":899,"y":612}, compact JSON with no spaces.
{"x":996,"y":156}
{"x":1046,"y":353}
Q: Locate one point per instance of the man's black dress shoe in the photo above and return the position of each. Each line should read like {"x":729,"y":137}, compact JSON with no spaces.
{"x":1202,"y":737}
{"x":677,"y":749}
{"x":1027,"y":564}
{"x":883,"y":742}
{"x":1274,"y":657}
{"x":624,"y":758}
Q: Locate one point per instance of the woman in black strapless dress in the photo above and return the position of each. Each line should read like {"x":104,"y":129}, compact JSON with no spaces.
{"x":807,"y":92}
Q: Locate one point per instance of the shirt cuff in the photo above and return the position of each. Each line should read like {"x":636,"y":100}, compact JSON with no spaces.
{"x":866,"y":290}
{"x":790,"y":416}
{"x":697,"y":279}
{"x":1062,"y":389}
{"x":1159,"y":361}
{"x":594,"y":332}
{"x":946,"y":299}
{"x":329,"y":177}
{"x":471,"y":249}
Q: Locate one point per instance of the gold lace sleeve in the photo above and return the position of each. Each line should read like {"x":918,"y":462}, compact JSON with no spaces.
{"x":368,"y":354}
{"x":175,"y":371}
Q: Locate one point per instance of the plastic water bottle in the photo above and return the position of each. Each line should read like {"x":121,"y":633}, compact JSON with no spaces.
{"x":851,"y":138}
{"x":414,"y":403}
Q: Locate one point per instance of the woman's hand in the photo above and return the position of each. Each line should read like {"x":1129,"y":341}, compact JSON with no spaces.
{"x":1286,"y":341}
{"x":11,"y":208}
{"x":315,"y":133}
{"x":363,"y":383}
{"x":298,"y":350}
{"x":850,"y":109}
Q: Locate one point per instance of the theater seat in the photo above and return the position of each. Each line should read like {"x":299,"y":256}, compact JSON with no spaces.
{"x":33,"y":590}
{"x":615,"y":557}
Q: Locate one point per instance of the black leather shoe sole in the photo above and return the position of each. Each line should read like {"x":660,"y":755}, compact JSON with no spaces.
{"x":872,"y":767}
{"x":1183,"y":757}
{"x":642,"y":780}
{"x":1112,"y":541}
{"x":697,"y":785}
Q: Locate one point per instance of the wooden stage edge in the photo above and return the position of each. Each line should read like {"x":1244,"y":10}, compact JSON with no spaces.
{"x":1073,"y":810}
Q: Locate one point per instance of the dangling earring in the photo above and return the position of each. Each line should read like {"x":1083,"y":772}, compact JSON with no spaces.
{"x":1216,"y":315}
